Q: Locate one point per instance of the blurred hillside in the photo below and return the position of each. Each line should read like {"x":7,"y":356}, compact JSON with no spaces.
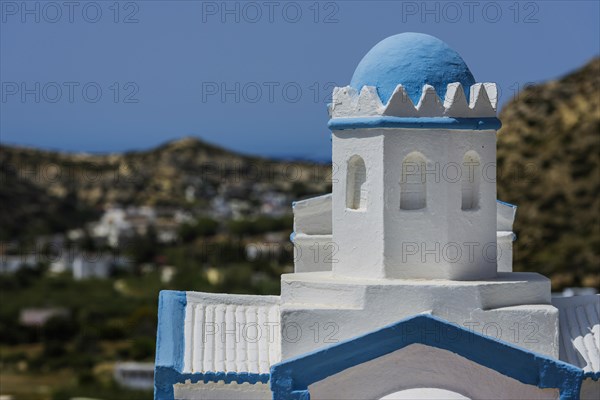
{"x":117,"y":229}
{"x":549,"y":165}
{"x":49,"y":192}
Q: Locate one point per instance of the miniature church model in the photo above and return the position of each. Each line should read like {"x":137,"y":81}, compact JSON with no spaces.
{"x":403,"y":285}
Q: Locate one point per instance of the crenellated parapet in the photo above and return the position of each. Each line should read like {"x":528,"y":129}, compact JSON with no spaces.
{"x":347,"y":102}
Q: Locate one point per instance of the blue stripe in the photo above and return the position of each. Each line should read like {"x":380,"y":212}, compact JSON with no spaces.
{"x":592,"y":375}
{"x":415,"y":123}
{"x":170,"y":345}
{"x":506,"y":204}
{"x":290,"y":379}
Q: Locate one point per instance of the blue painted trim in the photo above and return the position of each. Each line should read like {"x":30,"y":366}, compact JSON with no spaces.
{"x":170,"y":342}
{"x":337,"y":124}
{"x":290,"y":379}
{"x":506,"y":204}
{"x":170,"y":345}
{"x":170,"y":350}
{"x":592,"y":375}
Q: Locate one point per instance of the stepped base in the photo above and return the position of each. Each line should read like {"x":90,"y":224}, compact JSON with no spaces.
{"x":318,"y":309}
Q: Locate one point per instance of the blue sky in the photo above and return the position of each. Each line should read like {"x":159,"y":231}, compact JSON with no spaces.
{"x":103,"y":76}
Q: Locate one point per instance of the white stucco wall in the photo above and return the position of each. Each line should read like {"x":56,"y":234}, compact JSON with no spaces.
{"x":505,"y":251}
{"x":313,"y":216}
{"x":313,"y":253}
{"x":358,"y":234}
{"x":441,"y":240}
{"x":320,"y":308}
{"x":314,"y":249}
{"x":438,"y":241}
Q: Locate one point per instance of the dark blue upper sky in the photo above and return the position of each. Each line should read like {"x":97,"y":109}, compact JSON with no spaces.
{"x":251,"y":76}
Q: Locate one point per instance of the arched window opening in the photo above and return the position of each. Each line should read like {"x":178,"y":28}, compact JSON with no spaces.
{"x":413,"y":191}
{"x":356,"y":178}
{"x":425,"y":393}
{"x":471,"y":175}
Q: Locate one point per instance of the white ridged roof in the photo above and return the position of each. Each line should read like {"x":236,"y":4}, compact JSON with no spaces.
{"x":580,"y":330}
{"x":231,"y":333}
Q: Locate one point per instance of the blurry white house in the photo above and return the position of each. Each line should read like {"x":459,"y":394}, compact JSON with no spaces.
{"x":135,"y":375}
{"x":36,"y":317}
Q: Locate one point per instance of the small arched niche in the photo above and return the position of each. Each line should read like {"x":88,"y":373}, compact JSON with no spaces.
{"x":356,"y":179}
{"x":413,"y":185}
{"x":425,"y":394}
{"x":470,"y":179}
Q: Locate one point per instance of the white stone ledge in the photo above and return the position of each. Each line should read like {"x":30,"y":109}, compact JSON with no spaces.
{"x":356,"y":306}
{"x":415,"y":295}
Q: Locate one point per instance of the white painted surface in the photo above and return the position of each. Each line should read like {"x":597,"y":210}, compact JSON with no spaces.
{"x":313,"y":253}
{"x":430,"y":103}
{"x":512,"y":307}
{"x":313,"y":216}
{"x":348,"y":103}
{"x":313,"y":244}
{"x":231,"y":333}
{"x":368,"y":102}
{"x":358,"y":234}
{"x":419,"y":366}
{"x":534,"y":327}
{"x":398,"y":105}
{"x":480,"y":103}
{"x":580,"y":330}
{"x":505,"y":216}
{"x":505,"y":240}
{"x":389,"y":238}
{"x":455,"y":103}
{"x":221,"y":391}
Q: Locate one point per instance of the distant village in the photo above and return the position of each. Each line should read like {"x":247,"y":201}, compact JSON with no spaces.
{"x":71,"y":252}
{"x":100,"y":249}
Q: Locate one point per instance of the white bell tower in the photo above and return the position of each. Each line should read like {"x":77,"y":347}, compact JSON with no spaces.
{"x":412,"y":225}
{"x":414,"y":191}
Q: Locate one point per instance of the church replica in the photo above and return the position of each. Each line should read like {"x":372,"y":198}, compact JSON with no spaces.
{"x":403,"y":285}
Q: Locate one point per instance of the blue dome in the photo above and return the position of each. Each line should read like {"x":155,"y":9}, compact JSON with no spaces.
{"x":411,"y":60}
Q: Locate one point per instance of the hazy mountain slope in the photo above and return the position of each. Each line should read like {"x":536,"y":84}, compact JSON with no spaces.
{"x":37,"y":183}
{"x":549,"y":165}
{"x":29,"y":210}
